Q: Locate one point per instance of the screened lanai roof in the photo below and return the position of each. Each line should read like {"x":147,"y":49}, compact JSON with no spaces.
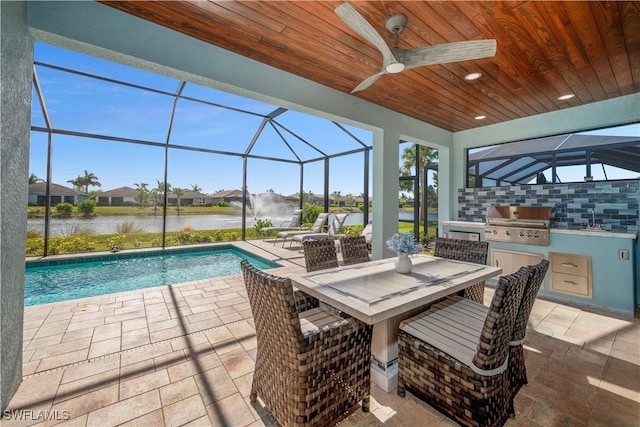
{"x":90,"y":99}
{"x":520,"y":162}
{"x":266,"y":130}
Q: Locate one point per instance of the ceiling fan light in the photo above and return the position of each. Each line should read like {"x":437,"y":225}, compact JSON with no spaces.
{"x":565,"y":97}
{"x":395,"y":67}
{"x":480,"y":117}
{"x":472,"y":76}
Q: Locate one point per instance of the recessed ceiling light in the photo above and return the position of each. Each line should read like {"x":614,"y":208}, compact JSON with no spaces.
{"x":565,"y":97}
{"x":480,"y":117}
{"x":472,"y":76}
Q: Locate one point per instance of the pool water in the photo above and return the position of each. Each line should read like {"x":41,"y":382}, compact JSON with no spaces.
{"x":53,"y":281}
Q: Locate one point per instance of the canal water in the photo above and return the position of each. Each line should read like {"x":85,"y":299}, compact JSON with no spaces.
{"x":152,"y":224}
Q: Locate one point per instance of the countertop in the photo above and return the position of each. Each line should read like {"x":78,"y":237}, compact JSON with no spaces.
{"x":582,"y":232}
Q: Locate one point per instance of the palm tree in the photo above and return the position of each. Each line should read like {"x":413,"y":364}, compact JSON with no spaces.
{"x":84,"y":182}
{"x":143,"y":193}
{"x":427,"y":157}
{"x":179,"y":192}
{"x":350,"y":200}
{"x":194,"y":187}
{"x":161,"y":186}
{"x":159,"y":192}
{"x":33,"y":179}
{"x":336,"y":197}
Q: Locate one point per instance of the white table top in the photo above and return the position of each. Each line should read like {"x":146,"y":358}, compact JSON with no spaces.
{"x":373,"y":292}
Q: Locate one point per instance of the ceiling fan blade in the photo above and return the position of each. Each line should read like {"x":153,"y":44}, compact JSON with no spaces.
{"x":357,"y":23}
{"x":447,"y":52}
{"x":368,"y":82}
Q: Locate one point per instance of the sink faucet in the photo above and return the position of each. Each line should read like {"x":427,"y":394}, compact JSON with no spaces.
{"x":593,"y":218}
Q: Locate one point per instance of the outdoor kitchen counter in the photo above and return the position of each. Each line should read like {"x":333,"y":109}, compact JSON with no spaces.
{"x":451,"y":225}
{"x":597,"y":233}
{"x":615,"y":263}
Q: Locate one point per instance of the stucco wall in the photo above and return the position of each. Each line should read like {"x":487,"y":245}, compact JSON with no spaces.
{"x":16,"y":58}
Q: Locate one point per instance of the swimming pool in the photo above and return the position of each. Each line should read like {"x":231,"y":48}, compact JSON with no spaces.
{"x":64,"y":279}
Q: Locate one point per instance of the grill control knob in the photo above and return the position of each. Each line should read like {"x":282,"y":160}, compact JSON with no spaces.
{"x":507,"y":233}
{"x":521,"y":234}
{"x":536,"y":235}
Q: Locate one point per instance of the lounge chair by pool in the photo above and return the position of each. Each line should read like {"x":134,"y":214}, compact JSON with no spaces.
{"x":317,"y":226}
{"x":334,"y":231}
{"x":294,"y":224}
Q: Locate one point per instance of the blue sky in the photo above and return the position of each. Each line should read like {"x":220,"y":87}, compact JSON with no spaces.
{"x":87,"y":105}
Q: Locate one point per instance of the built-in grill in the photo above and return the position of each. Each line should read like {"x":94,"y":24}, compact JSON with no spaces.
{"x":518,"y":224}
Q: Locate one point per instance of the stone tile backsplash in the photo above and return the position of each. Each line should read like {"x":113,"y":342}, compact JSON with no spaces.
{"x":616,"y":203}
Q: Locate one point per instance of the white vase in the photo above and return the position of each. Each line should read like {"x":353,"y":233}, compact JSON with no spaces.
{"x":403,"y":263}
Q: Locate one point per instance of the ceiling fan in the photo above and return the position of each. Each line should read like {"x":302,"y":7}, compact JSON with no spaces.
{"x":396,"y":60}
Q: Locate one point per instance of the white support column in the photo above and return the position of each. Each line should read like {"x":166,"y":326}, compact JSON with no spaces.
{"x":385,"y":189}
{"x":447,"y":200}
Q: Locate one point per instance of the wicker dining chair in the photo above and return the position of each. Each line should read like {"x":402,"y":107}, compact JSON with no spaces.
{"x":354,"y":250}
{"x":517,"y":368}
{"x":312,"y":366}
{"x":465,"y":250}
{"x":319,"y":254}
{"x":454,"y":355}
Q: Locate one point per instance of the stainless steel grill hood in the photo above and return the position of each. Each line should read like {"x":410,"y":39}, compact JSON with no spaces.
{"x":519,"y":224}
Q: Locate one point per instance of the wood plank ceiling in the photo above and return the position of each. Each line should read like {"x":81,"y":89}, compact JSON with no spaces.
{"x":545,"y":49}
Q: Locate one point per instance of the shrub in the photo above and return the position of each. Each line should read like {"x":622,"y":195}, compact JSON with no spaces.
{"x":63,"y":246}
{"x":35,"y":246}
{"x":183,"y":237}
{"x":311,"y":213}
{"x":229,"y":237}
{"x":201,"y":237}
{"x":261,"y":223}
{"x":115,"y":241}
{"x":32,"y":232}
{"x":87,"y":206}
{"x":64,"y":209}
{"x":352,"y":230}
{"x":171,"y":241}
{"x":222,"y":204}
{"x":128,"y":227}
{"x":75,"y":229}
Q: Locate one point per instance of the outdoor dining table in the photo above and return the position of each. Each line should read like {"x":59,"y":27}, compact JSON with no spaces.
{"x":376,"y":294}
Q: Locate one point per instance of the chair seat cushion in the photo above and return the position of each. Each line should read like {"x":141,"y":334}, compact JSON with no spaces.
{"x":319,"y":319}
{"x":317,"y":236}
{"x":454,"y":326}
{"x":289,"y":233}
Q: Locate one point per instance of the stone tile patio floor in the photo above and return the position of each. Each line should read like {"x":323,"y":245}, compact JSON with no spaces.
{"x":184,"y":355}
